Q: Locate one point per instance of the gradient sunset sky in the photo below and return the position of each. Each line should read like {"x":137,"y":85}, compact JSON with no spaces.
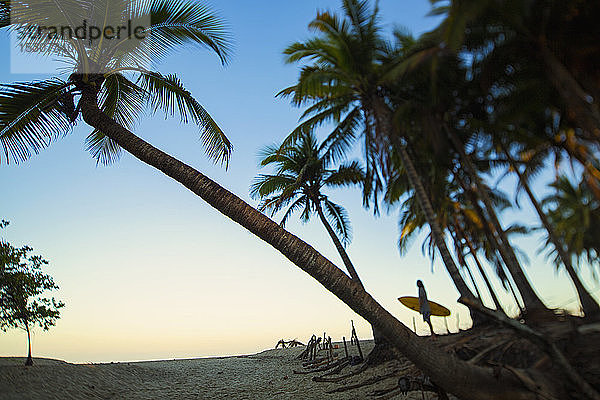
{"x":149,"y":271}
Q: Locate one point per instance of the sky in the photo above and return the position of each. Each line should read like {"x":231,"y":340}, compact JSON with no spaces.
{"x":149,"y":271}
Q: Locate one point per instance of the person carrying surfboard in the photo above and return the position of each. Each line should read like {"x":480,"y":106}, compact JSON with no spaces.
{"x":424,"y":308}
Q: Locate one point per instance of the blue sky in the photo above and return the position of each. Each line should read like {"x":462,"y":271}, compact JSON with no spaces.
{"x":149,"y":271}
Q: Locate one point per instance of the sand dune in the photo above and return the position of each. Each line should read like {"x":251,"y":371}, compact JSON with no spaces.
{"x":266,"y":375}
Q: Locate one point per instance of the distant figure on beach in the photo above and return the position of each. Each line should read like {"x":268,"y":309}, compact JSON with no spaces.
{"x":424,"y":308}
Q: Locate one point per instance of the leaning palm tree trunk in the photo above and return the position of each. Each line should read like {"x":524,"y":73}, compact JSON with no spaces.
{"x":590,"y":307}
{"x":482,"y":272}
{"x":532,"y":302}
{"x":463,"y":263}
{"x":461,"y":260}
{"x":378,"y":354}
{"x":492,"y":239}
{"x":384,"y":119}
{"x":339,"y":246}
{"x":455,"y":376}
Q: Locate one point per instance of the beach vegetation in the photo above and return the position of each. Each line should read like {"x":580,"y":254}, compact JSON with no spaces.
{"x":23,"y":287}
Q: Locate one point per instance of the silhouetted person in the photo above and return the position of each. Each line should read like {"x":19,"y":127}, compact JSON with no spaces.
{"x":424,"y":306}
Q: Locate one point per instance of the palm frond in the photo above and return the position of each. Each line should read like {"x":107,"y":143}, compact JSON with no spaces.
{"x":168,"y":94}
{"x":265,"y":184}
{"x":302,"y":201}
{"x":341,"y":140}
{"x":332,"y":114}
{"x":174,"y":23}
{"x":32,"y":114}
{"x":341,"y":222}
{"x":346,"y":175}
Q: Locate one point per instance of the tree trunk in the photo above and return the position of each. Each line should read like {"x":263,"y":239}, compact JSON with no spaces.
{"x":480,"y":268}
{"x":461,"y":260}
{"x":590,"y":307}
{"x":488,"y":234}
{"x":455,"y":376}
{"x":378,"y":338}
{"x":29,"y":361}
{"x":532,"y":302}
{"x":338,"y":246}
{"x":465,"y":266}
{"x":436,"y":231}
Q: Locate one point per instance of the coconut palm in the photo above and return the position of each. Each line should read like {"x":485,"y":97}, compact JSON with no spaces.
{"x":448,"y":115}
{"x":33,"y":114}
{"x":343,"y":85}
{"x":546,"y":52}
{"x":456,"y":217}
{"x":590,"y":307}
{"x":303,"y":171}
{"x":431,"y":120}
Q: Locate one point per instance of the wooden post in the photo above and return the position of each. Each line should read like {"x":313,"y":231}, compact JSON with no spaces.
{"x":415,"y":325}
{"x":458,"y":322}
{"x":355,"y":336}
{"x":345,"y":347}
{"x":359,"y":350}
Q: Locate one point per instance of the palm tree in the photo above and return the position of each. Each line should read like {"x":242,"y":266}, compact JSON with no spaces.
{"x":32,"y":113}
{"x":574,"y":213}
{"x":436,"y":114}
{"x":446,"y":112}
{"x":590,"y":307}
{"x":456,"y":217}
{"x":514,"y":45}
{"x":303,"y":170}
{"x":35,"y":113}
{"x":343,"y":85}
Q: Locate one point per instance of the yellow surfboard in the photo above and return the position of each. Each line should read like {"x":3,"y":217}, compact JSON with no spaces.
{"x":412,"y":302}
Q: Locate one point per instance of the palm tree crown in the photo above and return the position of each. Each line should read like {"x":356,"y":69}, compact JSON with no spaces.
{"x":33,"y":114}
{"x":302,"y":171}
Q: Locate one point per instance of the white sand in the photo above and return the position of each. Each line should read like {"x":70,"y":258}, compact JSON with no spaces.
{"x":266,"y":375}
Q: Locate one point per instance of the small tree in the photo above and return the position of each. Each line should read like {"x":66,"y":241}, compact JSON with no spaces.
{"x":22,"y":283}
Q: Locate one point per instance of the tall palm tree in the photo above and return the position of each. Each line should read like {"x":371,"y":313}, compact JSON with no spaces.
{"x":303,"y":170}
{"x":436,"y":113}
{"x":590,"y":307}
{"x":444,"y":112}
{"x":31,"y":114}
{"x":343,"y":85}
{"x":456,"y":217}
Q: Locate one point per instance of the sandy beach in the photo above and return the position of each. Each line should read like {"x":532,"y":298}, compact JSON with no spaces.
{"x":265,"y":375}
